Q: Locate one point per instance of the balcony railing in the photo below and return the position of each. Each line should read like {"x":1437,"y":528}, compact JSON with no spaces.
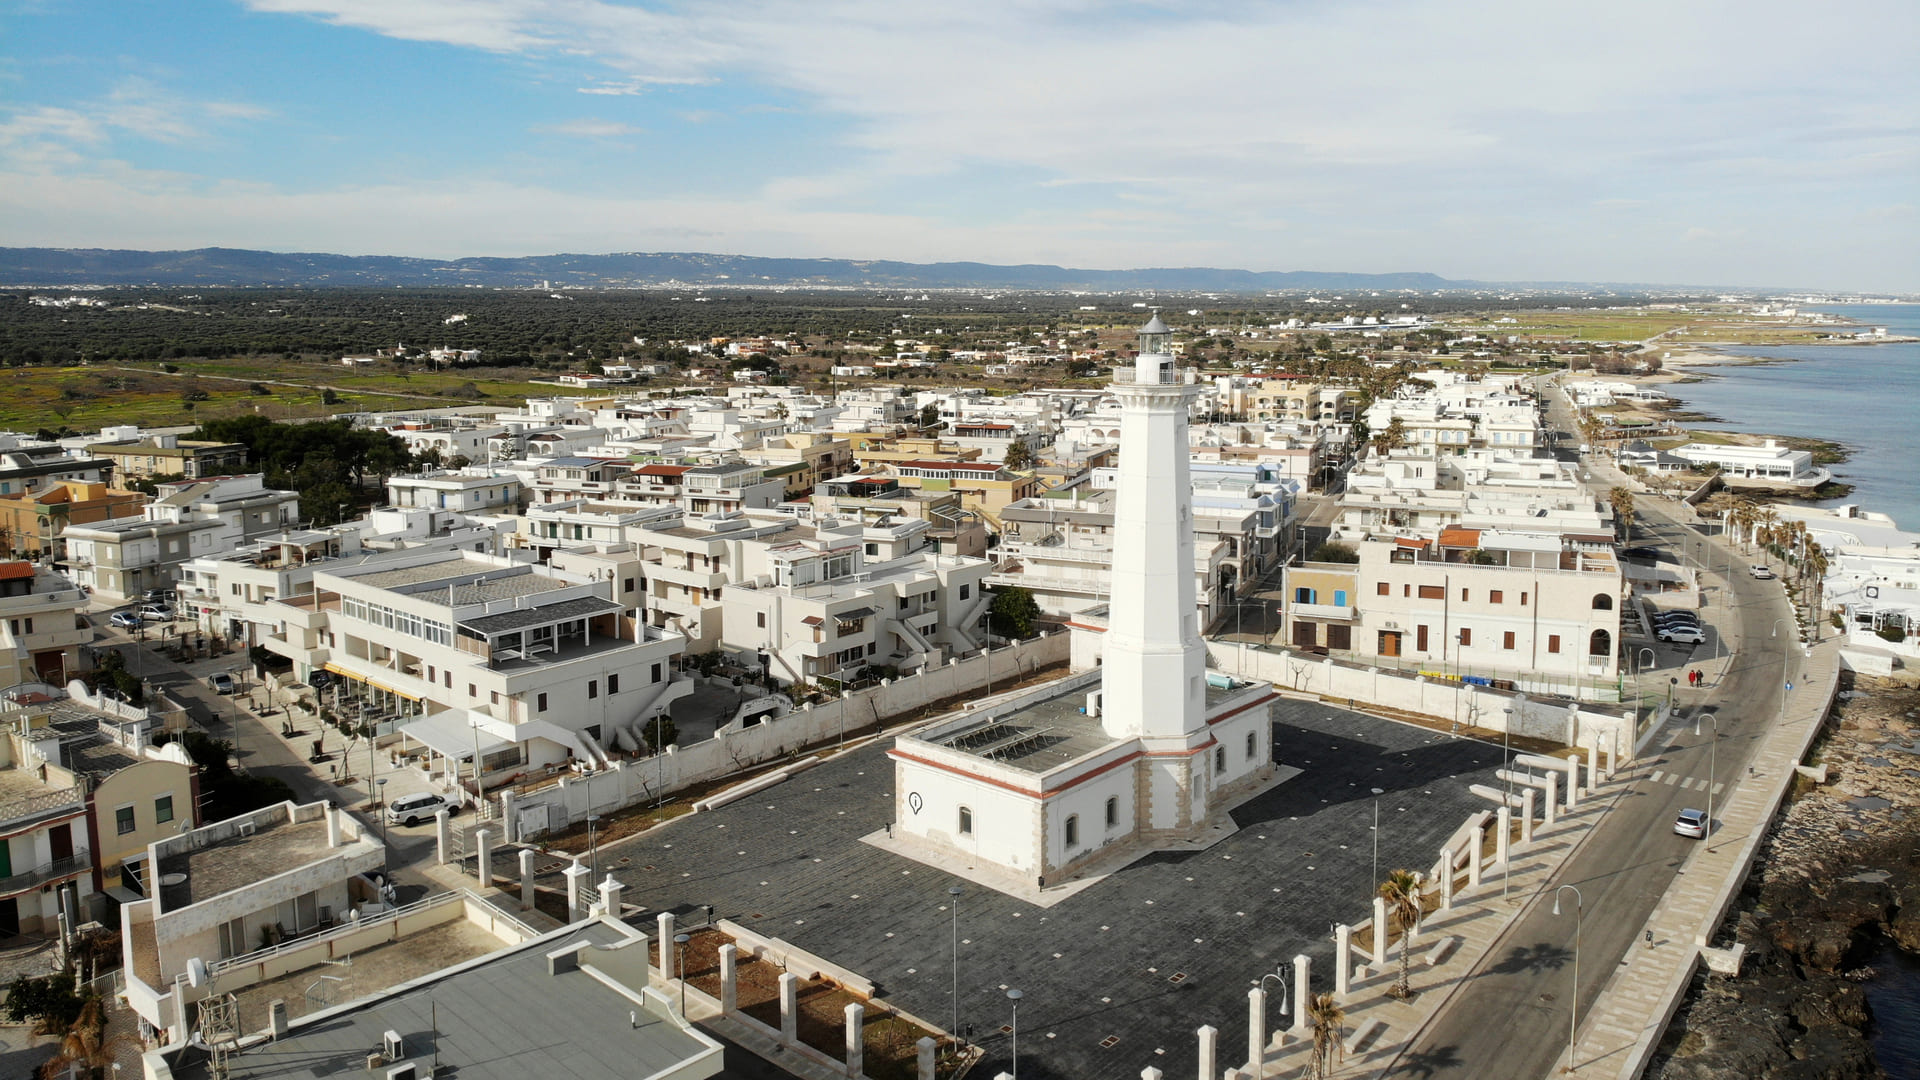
{"x":40,"y":875}
{"x":40,"y":803}
{"x":1130,"y":376}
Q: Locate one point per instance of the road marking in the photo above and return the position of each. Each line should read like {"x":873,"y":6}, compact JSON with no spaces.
{"x":1657,"y":774}
{"x":1717,"y":787}
{"x":1671,"y":778}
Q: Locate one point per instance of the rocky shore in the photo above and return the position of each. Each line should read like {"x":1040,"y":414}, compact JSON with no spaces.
{"x":1838,"y":877}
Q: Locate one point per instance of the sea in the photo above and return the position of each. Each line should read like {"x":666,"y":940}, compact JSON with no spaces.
{"x":1863,"y":397}
{"x":1860,"y":396}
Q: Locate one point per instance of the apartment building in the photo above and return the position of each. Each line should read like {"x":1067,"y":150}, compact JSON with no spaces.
{"x":26,"y":468}
{"x":167,"y":455}
{"x":189,"y":520}
{"x":819,"y":457}
{"x":1412,"y":495}
{"x":232,"y":887}
{"x":32,"y":522}
{"x":1060,"y":549}
{"x":450,"y":437}
{"x":43,"y":623}
{"x":458,"y":490}
{"x":879,"y":499}
{"x":535,"y":664}
{"x":1495,"y":603}
{"x":46,"y":865}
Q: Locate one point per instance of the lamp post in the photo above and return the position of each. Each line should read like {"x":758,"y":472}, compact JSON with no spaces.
{"x":592,"y":851}
{"x":1280,"y":977}
{"x":1713,"y":752}
{"x":1573,"y":1003}
{"x":1014,"y":996}
{"x":380,"y":803}
{"x":1672,"y":682}
{"x":1377,"y":792}
{"x":680,"y":965}
{"x":954,"y":891}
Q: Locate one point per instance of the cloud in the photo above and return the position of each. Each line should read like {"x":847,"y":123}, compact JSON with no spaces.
{"x":135,"y":108}
{"x":590,"y":129}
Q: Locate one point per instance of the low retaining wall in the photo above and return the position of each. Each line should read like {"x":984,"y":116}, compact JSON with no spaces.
{"x":798,"y":961}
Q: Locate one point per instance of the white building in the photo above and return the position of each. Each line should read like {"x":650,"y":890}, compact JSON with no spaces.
{"x":1149,"y":751}
{"x":190,"y":519}
{"x":1769,"y":462}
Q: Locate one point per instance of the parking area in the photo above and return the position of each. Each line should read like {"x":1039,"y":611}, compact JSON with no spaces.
{"x":1116,"y":974}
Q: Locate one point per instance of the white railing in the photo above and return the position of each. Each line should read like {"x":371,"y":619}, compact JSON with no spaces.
{"x":1128,"y":376}
{"x":339,"y":930}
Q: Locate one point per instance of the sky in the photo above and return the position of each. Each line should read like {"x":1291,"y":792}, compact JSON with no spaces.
{"x":1751,"y":142}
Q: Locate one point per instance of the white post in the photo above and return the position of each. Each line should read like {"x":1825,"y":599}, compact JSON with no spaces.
{"x":440,"y":835}
{"x":574,"y":874}
{"x":1149,"y":1073}
{"x":665,"y":923}
{"x":856,"y":1039}
{"x":924,"y":1049}
{"x":526,"y":879}
{"x":1593,"y":765}
{"x":1473,"y":857}
{"x":789,"y":1008}
{"x":1302,"y":986}
{"x":1380,"y":931}
{"x":610,"y":896}
{"x":1446,"y":879}
{"x":1526,"y":817}
{"x":730,"y":978}
{"x":1573,"y":780}
{"x":506,"y":816}
{"x":1547,"y":814}
{"x":483,"y":855}
{"x":1342,"y":960}
{"x":1256,"y":1030}
{"x":1504,"y":841}
{"x":1208,"y":1036}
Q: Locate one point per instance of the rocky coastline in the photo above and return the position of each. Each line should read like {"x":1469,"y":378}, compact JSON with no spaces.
{"x":1836,"y":880}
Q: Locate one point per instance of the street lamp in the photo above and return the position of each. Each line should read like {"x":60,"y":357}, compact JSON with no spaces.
{"x":1713,"y":751}
{"x":1279,"y":976}
{"x":955,"y":892}
{"x":1014,"y":996}
{"x":1573,"y":1003}
{"x":592,"y":863}
{"x":1377,"y":792}
{"x":379,"y":804}
{"x":680,"y":965}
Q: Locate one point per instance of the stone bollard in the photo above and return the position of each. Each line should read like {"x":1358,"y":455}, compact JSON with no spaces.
{"x":1573,"y":781}
{"x":1593,"y":768}
{"x":610,"y":891}
{"x":1209,"y":1037}
{"x":1547,"y":813}
{"x":856,"y":1028}
{"x":1302,"y":989}
{"x":1446,"y":879}
{"x":506,"y":816}
{"x":483,"y":857}
{"x":526,"y":879}
{"x":924,"y":1051}
{"x":1503,"y":840}
{"x":1342,"y":960}
{"x":1473,"y":857}
{"x":1526,"y":817}
{"x":1613,"y":753}
{"x":665,"y":923}
{"x":575,"y":875}
{"x":789,"y":1008}
{"x":1256,"y":1029}
{"x":440,"y":835}
{"x":1380,"y":931}
{"x":730,"y":978}
{"x":1149,"y":1073}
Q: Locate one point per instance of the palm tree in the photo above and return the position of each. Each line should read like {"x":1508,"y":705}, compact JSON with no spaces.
{"x":1765,"y":521}
{"x":1621,"y":499}
{"x":1401,"y":891}
{"x":87,"y":1044}
{"x":1329,"y":1027}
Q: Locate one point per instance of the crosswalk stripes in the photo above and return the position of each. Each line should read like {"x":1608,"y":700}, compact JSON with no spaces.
{"x":1671,"y":777}
{"x":1717,"y":787}
{"x":1657,"y":774}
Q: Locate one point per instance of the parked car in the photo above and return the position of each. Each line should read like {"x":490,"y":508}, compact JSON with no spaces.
{"x":1680,"y":635}
{"x":1643,"y":553}
{"x":1668,"y":618}
{"x":125,"y":620}
{"x":1762,"y":571}
{"x":158,"y":596}
{"x":1691,"y":823}
{"x":157,"y":613}
{"x":414,"y":809}
{"x":220,"y":683}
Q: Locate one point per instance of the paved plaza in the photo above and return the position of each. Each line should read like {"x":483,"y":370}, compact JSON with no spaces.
{"x":1119,"y":976}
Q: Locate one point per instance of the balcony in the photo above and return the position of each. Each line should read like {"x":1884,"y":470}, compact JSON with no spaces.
{"x":39,"y":804}
{"x":44,"y":873}
{"x":1338,"y":612}
{"x":1129,"y":376}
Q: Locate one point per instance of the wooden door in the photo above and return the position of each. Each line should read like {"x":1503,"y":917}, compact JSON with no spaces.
{"x":60,"y":839}
{"x":1305,"y":634}
{"x":1389,"y":643}
{"x":1339,"y":636}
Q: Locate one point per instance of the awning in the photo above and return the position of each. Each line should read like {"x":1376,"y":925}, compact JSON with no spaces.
{"x":354,"y":676}
{"x":856,"y":613}
{"x":450,"y":734}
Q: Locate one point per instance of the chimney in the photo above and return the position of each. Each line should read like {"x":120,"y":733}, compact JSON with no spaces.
{"x":277,"y":1017}
{"x":333,"y":827}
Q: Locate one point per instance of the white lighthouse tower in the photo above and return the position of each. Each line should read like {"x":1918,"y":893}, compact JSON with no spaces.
{"x":1154,"y":676}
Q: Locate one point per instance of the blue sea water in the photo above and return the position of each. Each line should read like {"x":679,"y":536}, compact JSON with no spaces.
{"x":1866,"y":397}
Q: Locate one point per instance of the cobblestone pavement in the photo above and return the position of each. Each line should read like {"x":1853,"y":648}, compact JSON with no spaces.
{"x":1117,"y":977}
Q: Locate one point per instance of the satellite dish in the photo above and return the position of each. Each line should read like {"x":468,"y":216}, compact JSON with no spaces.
{"x":196,"y":972}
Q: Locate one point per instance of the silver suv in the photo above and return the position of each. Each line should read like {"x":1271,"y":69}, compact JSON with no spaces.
{"x":414,"y":809}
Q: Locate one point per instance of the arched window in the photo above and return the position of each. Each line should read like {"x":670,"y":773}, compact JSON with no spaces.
{"x":1113,"y":812}
{"x":1602,"y":602}
{"x":1219,"y":759}
{"x":1253,"y":744}
{"x":966,"y":822}
{"x":1073,"y":830}
{"x":1601,"y":644}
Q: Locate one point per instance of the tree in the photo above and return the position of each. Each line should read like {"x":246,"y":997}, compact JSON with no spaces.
{"x":1621,"y":499}
{"x":1401,"y":891}
{"x":1393,"y":437}
{"x":1329,"y":1027}
{"x":1019,"y":455}
{"x":87,"y":1044}
{"x":52,"y":1002}
{"x":1013,"y":613}
{"x":930,"y":415}
{"x":329,"y":397}
{"x":1329,"y":551}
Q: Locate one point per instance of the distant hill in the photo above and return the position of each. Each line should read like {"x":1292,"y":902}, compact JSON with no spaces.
{"x":233,"y":267}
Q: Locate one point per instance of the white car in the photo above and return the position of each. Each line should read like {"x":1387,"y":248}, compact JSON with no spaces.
{"x":414,"y":809}
{"x":1762,"y":571}
{"x":1681,"y":635}
{"x":157,"y":613}
{"x":1691,"y":823}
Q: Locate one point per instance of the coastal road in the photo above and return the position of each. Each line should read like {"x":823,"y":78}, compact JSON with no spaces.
{"x":1509,"y":1019}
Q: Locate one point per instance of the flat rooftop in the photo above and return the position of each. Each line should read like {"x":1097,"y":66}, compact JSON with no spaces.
{"x":367,"y":972}
{"x":242,"y":860}
{"x":501,"y":1018}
